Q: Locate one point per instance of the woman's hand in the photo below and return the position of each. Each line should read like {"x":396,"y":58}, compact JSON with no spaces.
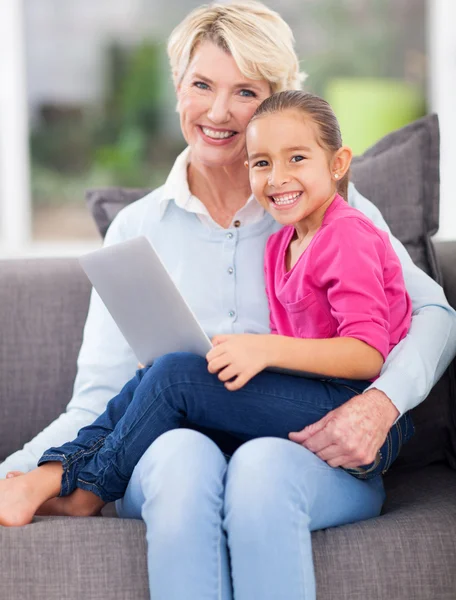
{"x":238,"y":357}
{"x":351,"y":435}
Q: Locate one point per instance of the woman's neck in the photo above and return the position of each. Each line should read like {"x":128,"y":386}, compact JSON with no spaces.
{"x":222,"y":190}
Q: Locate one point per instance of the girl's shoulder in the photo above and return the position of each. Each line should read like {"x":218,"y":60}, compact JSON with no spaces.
{"x":345,"y":220}
{"x":279,"y":239}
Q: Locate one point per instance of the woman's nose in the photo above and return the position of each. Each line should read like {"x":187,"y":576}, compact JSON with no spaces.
{"x":219,"y":111}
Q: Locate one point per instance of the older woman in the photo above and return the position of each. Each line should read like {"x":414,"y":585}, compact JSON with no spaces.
{"x":264,"y":502}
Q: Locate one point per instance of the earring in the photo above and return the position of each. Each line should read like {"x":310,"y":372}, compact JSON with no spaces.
{"x":336,"y":175}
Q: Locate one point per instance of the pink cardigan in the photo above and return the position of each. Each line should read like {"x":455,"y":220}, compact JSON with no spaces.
{"x":347,"y":283}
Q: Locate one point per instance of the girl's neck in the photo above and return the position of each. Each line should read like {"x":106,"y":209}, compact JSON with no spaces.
{"x":305,"y":231}
{"x":308,"y":227}
{"x":222,"y":190}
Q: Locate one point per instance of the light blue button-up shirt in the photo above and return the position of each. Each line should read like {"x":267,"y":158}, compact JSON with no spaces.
{"x":220,"y":274}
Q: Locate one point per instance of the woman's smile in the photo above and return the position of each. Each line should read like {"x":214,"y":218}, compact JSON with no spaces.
{"x":217,"y":137}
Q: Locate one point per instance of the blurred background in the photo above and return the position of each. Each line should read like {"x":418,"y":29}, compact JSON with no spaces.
{"x":86,"y":98}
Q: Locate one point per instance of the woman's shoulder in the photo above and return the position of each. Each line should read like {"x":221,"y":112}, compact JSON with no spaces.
{"x":138,"y":217}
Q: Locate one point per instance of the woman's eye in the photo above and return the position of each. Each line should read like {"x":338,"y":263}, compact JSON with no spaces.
{"x":248,"y":94}
{"x":297,"y":158}
{"x":261,"y":163}
{"x":201,"y":85}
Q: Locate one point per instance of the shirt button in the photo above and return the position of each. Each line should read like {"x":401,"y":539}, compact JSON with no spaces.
{"x":230,"y":271}
{"x":231,"y":313}
{"x":229,"y":236}
{"x":237,"y":223}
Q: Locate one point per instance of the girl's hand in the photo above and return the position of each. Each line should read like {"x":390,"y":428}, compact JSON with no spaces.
{"x":237,"y":358}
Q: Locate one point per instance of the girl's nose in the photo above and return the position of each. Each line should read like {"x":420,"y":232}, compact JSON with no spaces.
{"x":278,"y":177}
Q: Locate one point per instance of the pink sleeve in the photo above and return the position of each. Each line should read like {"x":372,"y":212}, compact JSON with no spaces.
{"x":272,"y":325}
{"x":347,"y":261}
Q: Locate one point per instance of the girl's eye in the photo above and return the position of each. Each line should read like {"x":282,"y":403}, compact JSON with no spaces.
{"x":201,"y":85}
{"x":297,"y":158}
{"x":261,"y":163}
{"x":248,"y":94}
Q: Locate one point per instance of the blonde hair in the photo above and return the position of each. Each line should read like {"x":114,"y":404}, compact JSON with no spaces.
{"x":258,"y":39}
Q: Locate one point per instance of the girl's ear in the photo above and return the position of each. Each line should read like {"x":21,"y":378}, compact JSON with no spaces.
{"x":341,"y":162}
{"x":246,"y":164}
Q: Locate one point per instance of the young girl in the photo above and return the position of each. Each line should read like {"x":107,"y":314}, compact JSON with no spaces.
{"x":338,"y":306}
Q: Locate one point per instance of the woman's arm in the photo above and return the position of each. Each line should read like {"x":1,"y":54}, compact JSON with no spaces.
{"x":419,"y":360}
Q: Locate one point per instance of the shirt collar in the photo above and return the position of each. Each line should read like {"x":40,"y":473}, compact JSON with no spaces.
{"x":176,"y":185}
{"x":176,"y":188}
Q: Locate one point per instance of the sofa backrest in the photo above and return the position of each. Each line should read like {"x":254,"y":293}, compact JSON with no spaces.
{"x":44,"y":305}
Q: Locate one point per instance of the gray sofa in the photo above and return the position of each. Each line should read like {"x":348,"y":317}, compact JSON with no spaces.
{"x":408,"y":553}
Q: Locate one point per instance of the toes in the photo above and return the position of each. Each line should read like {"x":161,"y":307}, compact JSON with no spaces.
{"x":12,"y":474}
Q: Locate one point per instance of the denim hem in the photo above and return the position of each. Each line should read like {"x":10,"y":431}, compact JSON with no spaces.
{"x":52,"y":457}
{"x":70,"y":463}
{"x":95,"y":489}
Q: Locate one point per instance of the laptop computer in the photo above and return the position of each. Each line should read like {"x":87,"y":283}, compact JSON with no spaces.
{"x":143,"y":300}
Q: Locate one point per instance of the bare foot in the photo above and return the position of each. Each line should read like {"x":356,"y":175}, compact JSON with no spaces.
{"x":80,"y":503}
{"x":22,"y":494}
{"x":18,"y":502}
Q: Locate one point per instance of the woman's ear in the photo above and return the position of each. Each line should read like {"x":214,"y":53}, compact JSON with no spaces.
{"x":246,"y":164}
{"x":341,"y":162}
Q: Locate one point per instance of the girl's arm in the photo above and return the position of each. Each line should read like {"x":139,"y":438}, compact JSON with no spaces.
{"x":346,"y":261}
{"x":344,"y":357}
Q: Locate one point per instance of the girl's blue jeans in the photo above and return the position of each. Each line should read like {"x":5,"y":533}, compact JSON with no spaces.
{"x":178,"y":389}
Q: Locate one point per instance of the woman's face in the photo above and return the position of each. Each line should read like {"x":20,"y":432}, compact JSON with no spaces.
{"x":215,"y":103}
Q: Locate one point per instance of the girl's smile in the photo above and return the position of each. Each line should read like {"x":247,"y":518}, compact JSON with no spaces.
{"x":291,"y":174}
{"x":285,"y":200}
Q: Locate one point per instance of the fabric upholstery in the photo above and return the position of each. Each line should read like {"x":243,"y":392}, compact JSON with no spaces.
{"x":44,"y":305}
{"x":407,"y":552}
{"x":400,"y":175}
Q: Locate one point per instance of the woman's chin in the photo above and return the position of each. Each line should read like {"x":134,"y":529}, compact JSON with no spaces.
{"x":217,"y":156}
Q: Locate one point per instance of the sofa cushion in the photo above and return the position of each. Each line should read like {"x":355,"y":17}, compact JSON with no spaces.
{"x":408,"y":552}
{"x":400,"y":175}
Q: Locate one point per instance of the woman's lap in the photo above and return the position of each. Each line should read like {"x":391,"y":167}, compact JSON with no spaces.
{"x":274,"y":458}
{"x":270,"y":485}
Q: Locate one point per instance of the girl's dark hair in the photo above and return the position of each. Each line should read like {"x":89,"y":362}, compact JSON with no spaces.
{"x":319,"y":111}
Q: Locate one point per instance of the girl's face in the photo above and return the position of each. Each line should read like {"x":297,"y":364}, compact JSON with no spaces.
{"x":291,"y":175}
{"x":215,"y":104}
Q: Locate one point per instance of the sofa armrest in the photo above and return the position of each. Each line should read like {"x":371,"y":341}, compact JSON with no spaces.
{"x":446,"y":255}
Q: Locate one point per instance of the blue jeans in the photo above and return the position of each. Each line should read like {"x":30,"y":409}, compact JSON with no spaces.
{"x":262,"y":506}
{"x":176,"y":389}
